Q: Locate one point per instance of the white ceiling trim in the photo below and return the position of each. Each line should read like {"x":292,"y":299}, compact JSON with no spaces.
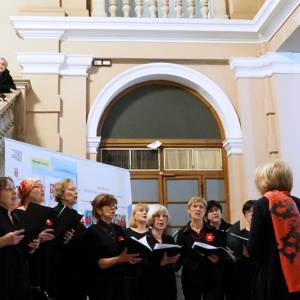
{"x":54,"y":63}
{"x":270,"y":17}
{"x":266,"y":65}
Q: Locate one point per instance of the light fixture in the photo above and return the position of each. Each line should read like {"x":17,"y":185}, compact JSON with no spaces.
{"x":99,"y":62}
{"x":155,"y":145}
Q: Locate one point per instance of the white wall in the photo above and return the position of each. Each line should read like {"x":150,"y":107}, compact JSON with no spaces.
{"x":287,"y":95}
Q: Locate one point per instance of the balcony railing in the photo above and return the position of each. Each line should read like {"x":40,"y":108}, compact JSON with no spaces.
{"x":7,"y":128}
{"x":159,"y":8}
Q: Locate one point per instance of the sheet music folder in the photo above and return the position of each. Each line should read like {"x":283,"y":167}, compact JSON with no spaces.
{"x":206,"y":250}
{"x":142,"y":247}
{"x":66,"y":219}
{"x":34,"y":220}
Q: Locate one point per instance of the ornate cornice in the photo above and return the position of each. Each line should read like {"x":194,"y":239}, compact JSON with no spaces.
{"x":54,"y":63}
{"x":233,"y":146}
{"x":266,"y":65}
{"x":93,"y":143}
{"x":268,"y":20}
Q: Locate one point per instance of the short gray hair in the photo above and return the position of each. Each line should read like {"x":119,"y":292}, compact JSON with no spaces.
{"x":5,"y":61}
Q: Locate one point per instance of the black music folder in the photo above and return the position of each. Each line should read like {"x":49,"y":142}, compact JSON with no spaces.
{"x":140,"y":246}
{"x":66,"y":219}
{"x":206,"y":250}
{"x":34,"y":220}
{"x":169,"y":249}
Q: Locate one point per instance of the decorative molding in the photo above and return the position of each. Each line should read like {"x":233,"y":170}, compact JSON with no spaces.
{"x":172,"y":72}
{"x":23,"y":84}
{"x":266,"y":65}
{"x":233,"y":146}
{"x":93,"y":143}
{"x":54,"y":63}
{"x":267,"y":21}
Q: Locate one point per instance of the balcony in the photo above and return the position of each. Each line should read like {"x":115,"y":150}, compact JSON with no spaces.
{"x":12,"y":116}
{"x":7,"y":120}
{"x":186,"y":21}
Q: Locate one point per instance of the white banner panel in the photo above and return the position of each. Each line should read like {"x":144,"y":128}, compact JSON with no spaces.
{"x":91,"y":178}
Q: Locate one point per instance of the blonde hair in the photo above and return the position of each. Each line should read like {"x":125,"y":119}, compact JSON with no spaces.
{"x":276,"y":175}
{"x":196,"y":199}
{"x":158,"y":209}
{"x":137,"y":207}
{"x":60,"y":187}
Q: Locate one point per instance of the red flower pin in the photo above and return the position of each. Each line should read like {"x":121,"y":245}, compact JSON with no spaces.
{"x":121,"y":238}
{"x":49,"y":222}
{"x":209,"y":237}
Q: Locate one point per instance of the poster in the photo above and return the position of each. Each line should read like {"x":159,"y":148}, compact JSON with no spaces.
{"x":91,"y":178}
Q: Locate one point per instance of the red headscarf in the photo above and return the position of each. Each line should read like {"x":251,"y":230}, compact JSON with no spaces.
{"x":25,"y":188}
{"x":286,"y":223}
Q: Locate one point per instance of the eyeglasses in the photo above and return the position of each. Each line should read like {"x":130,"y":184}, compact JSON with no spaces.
{"x":161,"y":216}
{"x":9,"y":188}
{"x":72,"y":189}
{"x":38,"y":186}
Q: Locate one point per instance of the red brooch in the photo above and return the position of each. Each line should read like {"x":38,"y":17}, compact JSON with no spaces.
{"x":209,"y":237}
{"x":121,"y":238}
{"x":49,"y":222}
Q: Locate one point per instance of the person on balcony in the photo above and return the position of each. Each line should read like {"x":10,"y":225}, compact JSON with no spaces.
{"x":7,"y":84}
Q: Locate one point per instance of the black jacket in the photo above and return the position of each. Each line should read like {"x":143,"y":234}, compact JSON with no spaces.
{"x":269,"y":280}
{"x":6,"y":82}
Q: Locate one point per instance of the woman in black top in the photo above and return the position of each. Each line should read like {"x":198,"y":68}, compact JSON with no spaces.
{"x":31,"y":190}
{"x":14,"y":273}
{"x":105,"y":252}
{"x":242,"y":280}
{"x":138,"y":228}
{"x":67,"y":275}
{"x":272,"y":213}
{"x":160,"y":271}
{"x":214,"y":219}
{"x":200,"y":274}
{"x":7,"y":84}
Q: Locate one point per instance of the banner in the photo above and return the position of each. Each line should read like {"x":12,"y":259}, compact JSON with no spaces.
{"x":91,"y":178}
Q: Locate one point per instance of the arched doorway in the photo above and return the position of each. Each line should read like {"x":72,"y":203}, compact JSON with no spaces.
{"x":189,"y":78}
{"x":190,"y":161}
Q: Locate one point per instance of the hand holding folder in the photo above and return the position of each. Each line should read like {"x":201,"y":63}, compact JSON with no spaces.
{"x":207,"y":250}
{"x":34,"y":220}
{"x":139,"y":246}
{"x":67,"y":219}
{"x":169,"y":249}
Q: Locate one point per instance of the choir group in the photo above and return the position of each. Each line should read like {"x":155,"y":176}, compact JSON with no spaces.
{"x":259,"y":262}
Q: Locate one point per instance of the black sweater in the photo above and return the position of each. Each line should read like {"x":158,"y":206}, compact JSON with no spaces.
{"x":6,"y":82}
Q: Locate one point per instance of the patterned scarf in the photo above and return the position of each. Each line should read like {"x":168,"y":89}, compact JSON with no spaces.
{"x":286,"y":223}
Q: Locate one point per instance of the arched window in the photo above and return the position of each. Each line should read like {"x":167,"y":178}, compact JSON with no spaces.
{"x":190,"y":160}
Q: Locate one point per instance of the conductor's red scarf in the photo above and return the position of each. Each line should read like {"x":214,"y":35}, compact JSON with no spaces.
{"x":286,"y":223}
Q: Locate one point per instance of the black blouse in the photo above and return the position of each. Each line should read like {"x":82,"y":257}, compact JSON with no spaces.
{"x":14,"y":274}
{"x":104,"y":241}
{"x":6,"y":82}
{"x":198,"y":271}
{"x":162,"y":278}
